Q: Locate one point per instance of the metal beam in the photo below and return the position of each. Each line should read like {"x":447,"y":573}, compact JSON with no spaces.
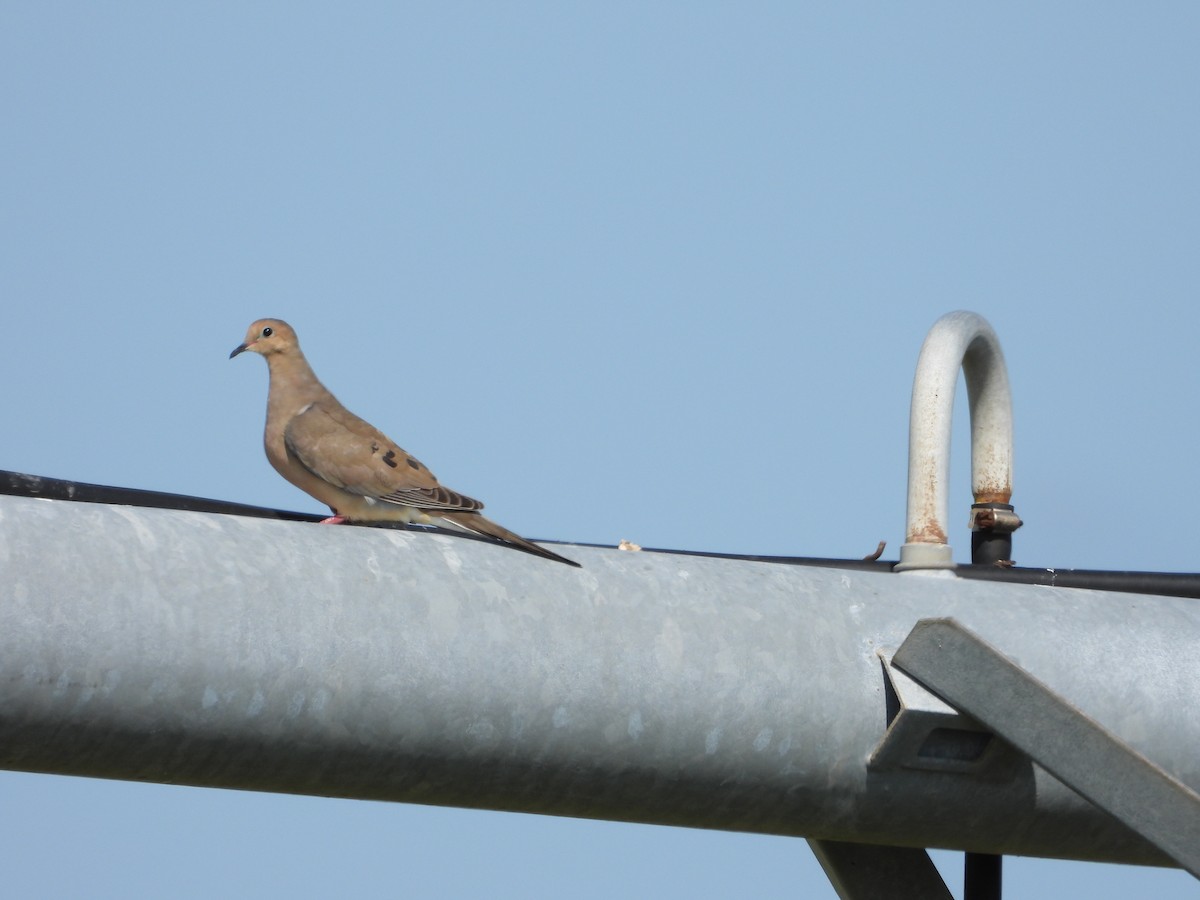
{"x":190,"y":648}
{"x":978,"y":679}
{"x":872,"y":872}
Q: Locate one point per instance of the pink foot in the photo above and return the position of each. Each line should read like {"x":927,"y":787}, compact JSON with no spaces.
{"x":334,"y":520}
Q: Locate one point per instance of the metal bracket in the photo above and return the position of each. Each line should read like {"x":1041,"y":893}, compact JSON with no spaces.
{"x":975,"y":677}
{"x":926,"y":734}
{"x":870,"y":871}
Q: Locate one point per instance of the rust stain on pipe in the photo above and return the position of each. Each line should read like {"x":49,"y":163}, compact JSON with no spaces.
{"x":993,"y":495}
{"x":929,"y":533}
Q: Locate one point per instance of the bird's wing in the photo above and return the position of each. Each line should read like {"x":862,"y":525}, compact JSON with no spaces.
{"x":342,"y":449}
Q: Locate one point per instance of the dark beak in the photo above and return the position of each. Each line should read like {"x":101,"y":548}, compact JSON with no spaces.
{"x":238,"y":349}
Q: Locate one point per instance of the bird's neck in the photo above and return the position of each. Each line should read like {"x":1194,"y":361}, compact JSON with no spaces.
{"x":293,"y":383}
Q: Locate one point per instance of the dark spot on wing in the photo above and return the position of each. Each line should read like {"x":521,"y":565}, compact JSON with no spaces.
{"x":374,"y":447}
{"x":412,"y":462}
{"x":390,"y":458}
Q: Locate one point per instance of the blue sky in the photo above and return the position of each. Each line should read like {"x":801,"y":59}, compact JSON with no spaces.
{"x":646,"y":271}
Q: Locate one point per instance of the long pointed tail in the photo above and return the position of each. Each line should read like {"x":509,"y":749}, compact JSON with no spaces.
{"x":481,"y":525}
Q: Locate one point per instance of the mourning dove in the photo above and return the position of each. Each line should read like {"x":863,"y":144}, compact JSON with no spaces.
{"x":327,"y":451}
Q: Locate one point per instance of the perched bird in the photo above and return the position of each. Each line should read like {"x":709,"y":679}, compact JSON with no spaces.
{"x":346,"y":463}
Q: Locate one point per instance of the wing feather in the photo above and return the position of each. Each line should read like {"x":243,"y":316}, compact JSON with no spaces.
{"x":344,"y":450}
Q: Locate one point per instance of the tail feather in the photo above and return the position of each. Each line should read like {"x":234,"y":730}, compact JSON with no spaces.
{"x":473,"y":521}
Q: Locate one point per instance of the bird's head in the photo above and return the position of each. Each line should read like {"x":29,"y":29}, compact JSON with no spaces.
{"x":268,"y":336}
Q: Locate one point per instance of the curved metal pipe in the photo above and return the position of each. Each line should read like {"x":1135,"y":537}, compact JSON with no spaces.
{"x":957,"y":340}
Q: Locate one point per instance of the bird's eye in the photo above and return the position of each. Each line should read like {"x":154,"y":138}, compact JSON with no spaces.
{"x":267,"y":331}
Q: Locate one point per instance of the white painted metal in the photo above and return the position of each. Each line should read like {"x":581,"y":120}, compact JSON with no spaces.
{"x":958,"y":340}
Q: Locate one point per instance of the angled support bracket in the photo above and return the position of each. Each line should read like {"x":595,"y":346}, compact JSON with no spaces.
{"x":869,"y":871}
{"x":927,"y":734}
{"x":979,"y":680}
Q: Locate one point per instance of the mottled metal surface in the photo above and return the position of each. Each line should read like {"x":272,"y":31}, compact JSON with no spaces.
{"x":204,"y":649}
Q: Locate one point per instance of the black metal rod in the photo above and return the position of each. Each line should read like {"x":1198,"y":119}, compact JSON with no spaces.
{"x":982,"y":876}
{"x":982,"y":871}
{"x":991,"y":545}
{"x":1163,"y":584}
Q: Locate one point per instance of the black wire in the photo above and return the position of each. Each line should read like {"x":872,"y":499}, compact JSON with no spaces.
{"x":1164,"y":584}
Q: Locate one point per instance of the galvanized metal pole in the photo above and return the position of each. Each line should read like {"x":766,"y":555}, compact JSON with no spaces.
{"x":218,"y":650}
